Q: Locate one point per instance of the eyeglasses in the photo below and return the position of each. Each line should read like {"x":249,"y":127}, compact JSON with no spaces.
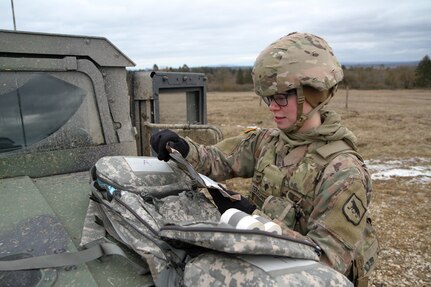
{"x":279,"y":99}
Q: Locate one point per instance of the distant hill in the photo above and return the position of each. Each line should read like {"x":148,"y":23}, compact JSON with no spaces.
{"x":357,"y":75}
{"x":380,"y":64}
{"x":346,"y":64}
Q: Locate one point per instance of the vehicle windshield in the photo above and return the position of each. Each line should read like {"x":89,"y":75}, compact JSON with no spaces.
{"x":34,"y":106}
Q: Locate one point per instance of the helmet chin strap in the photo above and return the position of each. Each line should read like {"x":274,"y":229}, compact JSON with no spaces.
{"x":300,"y":117}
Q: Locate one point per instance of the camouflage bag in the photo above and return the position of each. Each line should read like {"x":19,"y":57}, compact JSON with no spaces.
{"x":156,"y":210}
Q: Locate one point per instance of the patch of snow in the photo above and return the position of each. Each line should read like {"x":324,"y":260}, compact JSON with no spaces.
{"x":419,"y":169}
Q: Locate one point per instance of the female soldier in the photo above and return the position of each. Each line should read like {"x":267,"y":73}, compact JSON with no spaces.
{"x":307,"y":174}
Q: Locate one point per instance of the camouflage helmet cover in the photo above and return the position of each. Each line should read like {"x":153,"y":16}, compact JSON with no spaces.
{"x":295,"y":60}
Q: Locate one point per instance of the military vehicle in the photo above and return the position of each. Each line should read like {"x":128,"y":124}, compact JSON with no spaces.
{"x":65,"y":102}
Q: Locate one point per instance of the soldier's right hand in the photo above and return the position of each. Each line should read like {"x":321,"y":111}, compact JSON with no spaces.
{"x":160,"y":139}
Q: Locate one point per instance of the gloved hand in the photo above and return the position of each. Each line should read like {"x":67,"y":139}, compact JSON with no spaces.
{"x":159,"y":140}
{"x":224,"y":203}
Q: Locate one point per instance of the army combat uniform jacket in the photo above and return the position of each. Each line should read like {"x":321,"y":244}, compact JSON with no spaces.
{"x":313,"y":184}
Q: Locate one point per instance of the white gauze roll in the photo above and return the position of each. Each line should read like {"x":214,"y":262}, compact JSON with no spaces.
{"x":240,"y":220}
{"x":269,"y":225}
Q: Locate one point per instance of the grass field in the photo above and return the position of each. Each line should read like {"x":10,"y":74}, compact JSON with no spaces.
{"x":392,"y":126}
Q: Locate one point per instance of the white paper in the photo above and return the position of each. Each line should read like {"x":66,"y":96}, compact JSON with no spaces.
{"x":209,"y":182}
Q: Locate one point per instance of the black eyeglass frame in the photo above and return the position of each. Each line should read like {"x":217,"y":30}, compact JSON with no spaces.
{"x":279,"y":99}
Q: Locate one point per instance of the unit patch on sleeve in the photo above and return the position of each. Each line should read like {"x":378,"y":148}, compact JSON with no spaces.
{"x":354,"y":209}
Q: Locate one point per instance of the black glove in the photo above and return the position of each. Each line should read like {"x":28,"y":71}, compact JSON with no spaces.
{"x":224,"y":203}
{"x":159,"y":140}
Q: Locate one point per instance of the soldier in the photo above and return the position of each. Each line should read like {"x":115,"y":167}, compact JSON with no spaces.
{"x":306,"y":174}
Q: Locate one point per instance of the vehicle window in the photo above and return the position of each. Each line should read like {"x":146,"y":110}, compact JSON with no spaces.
{"x":45,"y":112}
{"x":177,"y":108}
{"x":173,"y":108}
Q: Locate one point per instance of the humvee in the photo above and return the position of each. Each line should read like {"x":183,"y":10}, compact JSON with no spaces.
{"x":65,"y":102}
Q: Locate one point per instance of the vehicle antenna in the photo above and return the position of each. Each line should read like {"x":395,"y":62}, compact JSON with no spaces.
{"x":13,"y":15}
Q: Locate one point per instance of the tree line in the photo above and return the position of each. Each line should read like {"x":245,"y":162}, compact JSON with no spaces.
{"x":355,"y":77}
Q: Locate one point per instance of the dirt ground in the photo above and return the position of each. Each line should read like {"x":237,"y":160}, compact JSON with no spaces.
{"x":390,"y":126}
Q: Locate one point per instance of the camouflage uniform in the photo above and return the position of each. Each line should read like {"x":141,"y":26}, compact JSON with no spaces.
{"x":313,"y":183}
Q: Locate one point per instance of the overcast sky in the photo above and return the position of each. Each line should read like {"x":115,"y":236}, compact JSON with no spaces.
{"x":232,"y":32}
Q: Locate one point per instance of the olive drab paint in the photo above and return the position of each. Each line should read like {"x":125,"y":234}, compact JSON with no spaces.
{"x":67,"y":101}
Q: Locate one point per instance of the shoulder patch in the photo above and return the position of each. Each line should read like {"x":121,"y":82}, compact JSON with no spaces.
{"x":354,"y":209}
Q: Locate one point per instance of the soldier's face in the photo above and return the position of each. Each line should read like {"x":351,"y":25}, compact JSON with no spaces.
{"x":284,"y":116}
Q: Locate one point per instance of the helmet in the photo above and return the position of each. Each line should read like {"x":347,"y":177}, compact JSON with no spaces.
{"x":298,"y":59}
{"x":295,"y":61}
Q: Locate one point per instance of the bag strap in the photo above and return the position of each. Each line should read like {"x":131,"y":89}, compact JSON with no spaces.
{"x":186,"y":166}
{"x":174,"y":256}
{"x":68,"y":259}
{"x":359,"y":277}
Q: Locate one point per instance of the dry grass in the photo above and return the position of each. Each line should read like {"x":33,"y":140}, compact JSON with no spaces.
{"x":389,"y":125}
